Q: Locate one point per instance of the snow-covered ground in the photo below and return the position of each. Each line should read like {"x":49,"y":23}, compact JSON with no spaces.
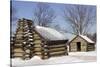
{"x":73,"y":57}
{"x":91,"y":53}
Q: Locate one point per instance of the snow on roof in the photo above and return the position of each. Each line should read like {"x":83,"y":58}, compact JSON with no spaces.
{"x":49,"y":33}
{"x":86,"y":38}
{"x":72,"y":37}
{"x":67,"y":35}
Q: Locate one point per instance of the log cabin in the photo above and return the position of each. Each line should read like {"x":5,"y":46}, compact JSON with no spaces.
{"x":30,"y":40}
{"x":81,"y":43}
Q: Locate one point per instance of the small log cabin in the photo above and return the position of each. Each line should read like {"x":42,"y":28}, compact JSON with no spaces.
{"x":30,"y":41}
{"x":81,"y":43}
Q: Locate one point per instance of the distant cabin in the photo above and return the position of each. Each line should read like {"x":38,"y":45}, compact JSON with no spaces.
{"x":30,"y":41}
{"x":81,"y":43}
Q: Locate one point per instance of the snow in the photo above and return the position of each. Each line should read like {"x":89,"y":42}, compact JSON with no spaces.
{"x":83,"y":36}
{"x":30,"y":36}
{"x":73,"y":57}
{"x":67,"y":35}
{"x":30,"y":39}
{"x":91,"y":53}
{"x":38,"y":61}
{"x":72,"y":37}
{"x":86,"y":38}
{"x":50,"y":33}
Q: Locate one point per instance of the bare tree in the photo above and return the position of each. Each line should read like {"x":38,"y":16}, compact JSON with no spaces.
{"x":95,"y":37}
{"x":80,"y":18}
{"x":43,"y":15}
{"x":92,"y":36}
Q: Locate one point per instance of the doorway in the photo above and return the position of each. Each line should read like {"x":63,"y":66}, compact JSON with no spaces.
{"x":78,"y":46}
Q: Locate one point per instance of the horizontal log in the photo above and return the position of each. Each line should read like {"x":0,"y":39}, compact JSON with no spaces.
{"x":18,"y":50}
{"x":56,"y":46}
{"x":54,"y":53}
{"x":18,"y":54}
{"x":57,"y":50}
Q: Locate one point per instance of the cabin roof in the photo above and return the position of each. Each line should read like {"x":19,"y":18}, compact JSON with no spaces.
{"x":49,"y":33}
{"x":86,"y":38}
{"x":83,"y":37}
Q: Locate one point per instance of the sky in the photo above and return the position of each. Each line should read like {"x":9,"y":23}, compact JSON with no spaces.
{"x":26,"y":10}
